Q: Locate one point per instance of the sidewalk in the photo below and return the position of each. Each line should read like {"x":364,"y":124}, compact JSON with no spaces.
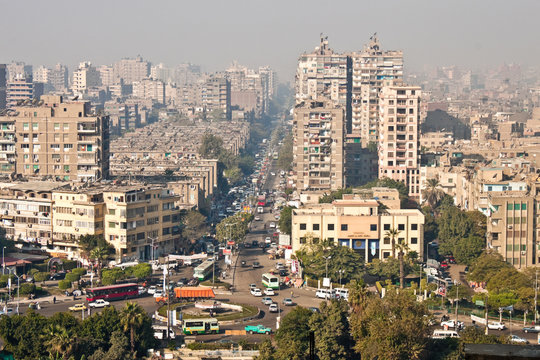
{"x":46,"y":299}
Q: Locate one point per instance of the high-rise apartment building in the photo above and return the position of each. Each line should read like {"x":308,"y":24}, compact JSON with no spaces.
{"x":54,"y":138}
{"x":58,"y":78}
{"x":150,"y":90}
{"x":3,"y":78}
{"x":371,"y":67}
{"x":324,"y":73}
{"x":399,"y":107}
{"x":131,"y":70}
{"x":318,"y":145}
{"x":84,"y":77}
{"x":107,"y":75}
{"x":15,"y":69}
{"x":216,"y":95}
{"x":22,"y":88}
{"x":41,"y":74}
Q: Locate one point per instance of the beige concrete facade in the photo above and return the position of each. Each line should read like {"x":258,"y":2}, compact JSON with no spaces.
{"x":318,"y":145}
{"x":357,"y":223}
{"x":58,"y":139}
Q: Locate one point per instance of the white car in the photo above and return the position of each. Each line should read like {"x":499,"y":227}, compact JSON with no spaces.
{"x":268,"y":240}
{"x":256,"y":292}
{"x":151,"y":290}
{"x":272,"y":225}
{"x":273,"y":308}
{"x":517,"y":339}
{"x":257,"y":218}
{"x":99,"y":303}
{"x":158,"y":293}
{"x":496,"y":326}
{"x":273,"y":173}
{"x":452,"y":324}
{"x":269,"y":292}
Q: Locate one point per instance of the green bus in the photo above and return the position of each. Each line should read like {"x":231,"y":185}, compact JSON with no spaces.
{"x":270,"y":281}
{"x":200,"y":326}
{"x":202,"y":271}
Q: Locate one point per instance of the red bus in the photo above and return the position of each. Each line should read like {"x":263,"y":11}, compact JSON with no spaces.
{"x":113,"y":292}
{"x":261,"y":200}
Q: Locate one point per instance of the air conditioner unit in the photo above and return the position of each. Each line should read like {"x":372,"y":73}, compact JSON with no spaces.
{"x":510,"y":226}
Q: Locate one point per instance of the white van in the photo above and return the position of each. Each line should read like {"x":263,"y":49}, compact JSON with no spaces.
{"x":343,"y":293}
{"x":443,"y":334}
{"x":325,"y":293}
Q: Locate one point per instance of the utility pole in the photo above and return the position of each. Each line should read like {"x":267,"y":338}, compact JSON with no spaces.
{"x":486,"y":305}
{"x":535,"y":298}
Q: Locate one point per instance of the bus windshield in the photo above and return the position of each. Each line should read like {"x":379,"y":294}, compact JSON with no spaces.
{"x":270,"y":281}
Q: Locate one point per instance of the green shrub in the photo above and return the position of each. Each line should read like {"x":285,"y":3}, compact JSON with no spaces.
{"x":41,"y":267}
{"x":27,"y":288}
{"x":69,"y":264}
{"x":72,"y":277}
{"x":32,"y":272}
{"x":79,"y":271}
{"x":64,"y":284}
{"x":41,"y":276}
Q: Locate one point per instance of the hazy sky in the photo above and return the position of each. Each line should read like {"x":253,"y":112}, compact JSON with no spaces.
{"x":212,"y":33}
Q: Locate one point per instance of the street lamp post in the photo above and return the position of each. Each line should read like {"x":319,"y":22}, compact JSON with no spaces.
{"x":340,"y":272}
{"x":327,"y":258}
{"x":3,"y":261}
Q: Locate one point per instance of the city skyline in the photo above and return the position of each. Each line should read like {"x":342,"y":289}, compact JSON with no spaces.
{"x":463,"y":34}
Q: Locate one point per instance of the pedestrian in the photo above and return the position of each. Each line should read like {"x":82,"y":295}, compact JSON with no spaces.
{"x":292,"y":294}
{"x":54,"y":299}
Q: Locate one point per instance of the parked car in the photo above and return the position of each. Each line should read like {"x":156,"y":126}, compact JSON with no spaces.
{"x":257,"y":218}
{"x":7,"y":311}
{"x":268,"y":240}
{"x":272,"y":225}
{"x":252,"y":286}
{"x":256,"y":292}
{"x":99,"y":303}
{"x":142,"y":290}
{"x":269,"y":292}
{"x":256,"y":265}
{"x":314,"y":309}
{"x":152,"y":290}
{"x":288,"y":302}
{"x":267,"y":301}
{"x":58,"y":276}
{"x":532,"y":329}
{"x":77,"y":307}
{"x":325,"y":294}
{"x":255,"y":243}
{"x":517,"y":339}
{"x":496,"y":326}
{"x":282,"y":272}
{"x":273,"y":308}
{"x":158,"y":293}
{"x":257,"y":329}
{"x":243,"y":263}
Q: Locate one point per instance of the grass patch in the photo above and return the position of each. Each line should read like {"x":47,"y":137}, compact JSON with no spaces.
{"x":247,"y":311}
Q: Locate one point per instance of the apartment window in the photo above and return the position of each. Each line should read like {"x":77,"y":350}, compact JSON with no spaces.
{"x":68,"y":147}
{"x":414,"y":226}
{"x":56,"y":126}
{"x":386,"y":240}
{"x":166,"y":218}
{"x":523,"y":206}
{"x":112,"y":212}
{"x":112,"y":225}
{"x":302,"y":226}
{"x":34,"y":126}
{"x":26,"y":126}
{"x":386,"y":255}
{"x":315,"y":227}
{"x":414,"y":240}
{"x":401,"y":227}
{"x":373,"y":227}
{"x":330,"y":227}
{"x":386,"y":226}
{"x":344,"y":227}
{"x":302,"y":240}
{"x":66,"y":126}
{"x":166,"y":231}
{"x":509,"y":207}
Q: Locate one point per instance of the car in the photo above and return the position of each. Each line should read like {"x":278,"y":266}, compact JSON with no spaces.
{"x":449,"y":280}
{"x":158,"y":293}
{"x":6,"y":311}
{"x":273,"y":173}
{"x":272,"y":225}
{"x":152,"y":290}
{"x":257,"y":218}
{"x":314,"y":309}
{"x":325,"y":293}
{"x":243,"y":263}
{"x":77,"y":307}
{"x":99,"y":303}
{"x":142,"y":290}
{"x":255,"y":243}
{"x":517,"y":339}
{"x":279,"y":266}
{"x":256,"y":292}
{"x":252,"y":286}
{"x":247,"y":245}
{"x":532,"y":329}
{"x":444,"y":264}
{"x":282,"y":272}
{"x":267,"y":301}
{"x":76,"y":292}
{"x":288,"y":302}
{"x":257,"y":329}
{"x":273,"y":308}
{"x":452,"y":324}
{"x":269,"y":292}
{"x":58,"y":276}
{"x":496,"y":326}
{"x":268,"y":240}
{"x":182,"y":281}
{"x":193,"y":282}
{"x":256,"y":265}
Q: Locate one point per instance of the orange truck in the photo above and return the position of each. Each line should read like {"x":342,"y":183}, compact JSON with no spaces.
{"x":188,"y":293}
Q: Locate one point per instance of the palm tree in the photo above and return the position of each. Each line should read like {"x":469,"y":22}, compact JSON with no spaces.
{"x":132,"y":317}
{"x":392,"y":233}
{"x":403,"y":247}
{"x":432,"y":194}
{"x":58,"y":340}
{"x":99,"y":254}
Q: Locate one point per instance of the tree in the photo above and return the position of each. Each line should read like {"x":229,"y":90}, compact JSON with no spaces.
{"x":285,"y":220}
{"x":393,"y":184}
{"x":233,"y":227}
{"x":402,"y":248}
{"x":393,"y":327}
{"x":334,"y":195}
{"x":467,"y":250}
{"x":195,"y":225}
{"x":487,"y":265}
{"x":99,"y":254}
{"x":388,"y":269}
{"x":22,"y":335}
{"x":141,"y":271}
{"x":132,"y":318}
{"x":292,"y":337}
{"x":331,"y":329}
{"x":285,"y":157}
{"x":266,"y":351}
{"x":58,"y":340}
{"x":392,"y":233}
{"x":453,"y":225}
{"x":432,"y":194}
{"x":211,"y":146}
